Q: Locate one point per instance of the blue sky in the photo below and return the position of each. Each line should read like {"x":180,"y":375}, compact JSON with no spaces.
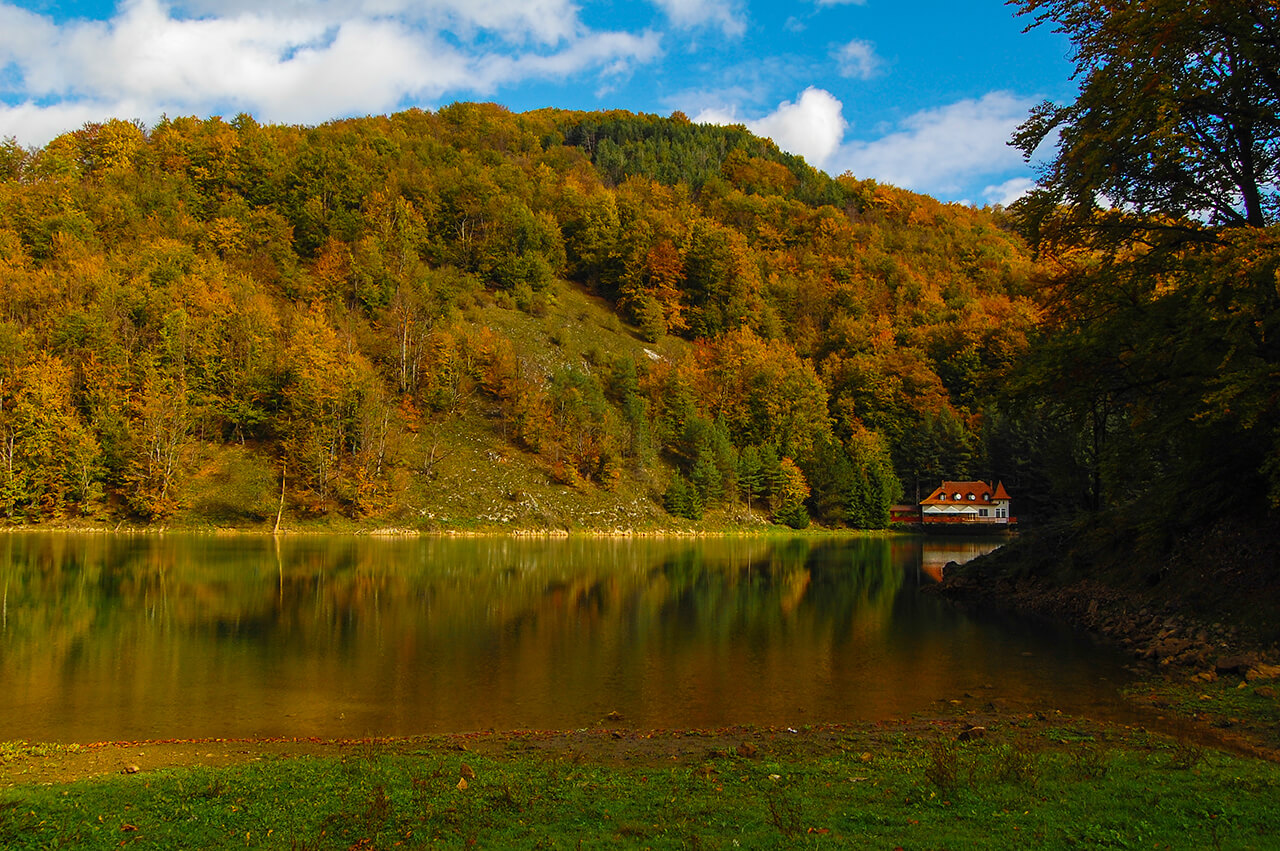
{"x":922,"y":95}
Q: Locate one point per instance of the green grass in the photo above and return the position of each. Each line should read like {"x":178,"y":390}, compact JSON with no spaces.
{"x":1229,"y":704}
{"x":1013,"y":789}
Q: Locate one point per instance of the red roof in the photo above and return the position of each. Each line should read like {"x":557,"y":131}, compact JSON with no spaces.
{"x":951,"y":493}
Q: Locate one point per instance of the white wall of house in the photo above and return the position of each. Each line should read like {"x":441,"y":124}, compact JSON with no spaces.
{"x":975,"y":512}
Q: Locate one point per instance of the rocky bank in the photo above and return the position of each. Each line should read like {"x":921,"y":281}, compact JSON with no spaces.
{"x":1208,"y":606}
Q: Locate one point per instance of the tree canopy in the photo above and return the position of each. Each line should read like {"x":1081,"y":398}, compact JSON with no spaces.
{"x":1178,"y":112}
{"x":1155,"y":224}
{"x":344,"y":306}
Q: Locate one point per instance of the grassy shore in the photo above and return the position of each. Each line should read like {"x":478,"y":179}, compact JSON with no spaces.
{"x":973,"y":777}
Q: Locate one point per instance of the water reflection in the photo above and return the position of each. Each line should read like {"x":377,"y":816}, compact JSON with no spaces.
{"x":122,"y":637}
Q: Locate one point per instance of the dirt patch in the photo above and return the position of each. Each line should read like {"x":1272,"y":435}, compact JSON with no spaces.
{"x":60,"y":764}
{"x":957,"y":720}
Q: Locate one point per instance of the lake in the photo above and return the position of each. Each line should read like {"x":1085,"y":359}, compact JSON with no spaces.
{"x":126,"y":637}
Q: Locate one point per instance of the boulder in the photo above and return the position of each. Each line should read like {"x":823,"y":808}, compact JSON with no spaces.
{"x":1262,"y":672}
{"x":1171,"y":647}
{"x":1235,"y":664}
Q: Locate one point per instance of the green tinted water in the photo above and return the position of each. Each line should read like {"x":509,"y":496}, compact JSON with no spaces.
{"x":114,"y":637}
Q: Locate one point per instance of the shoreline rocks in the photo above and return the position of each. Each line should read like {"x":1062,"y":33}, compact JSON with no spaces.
{"x":1159,"y":634}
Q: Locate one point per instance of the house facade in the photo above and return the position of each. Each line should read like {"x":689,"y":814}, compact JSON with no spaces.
{"x":967,"y":502}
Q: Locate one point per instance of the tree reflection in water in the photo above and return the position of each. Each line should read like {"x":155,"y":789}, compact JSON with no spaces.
{"x":157,"y":636}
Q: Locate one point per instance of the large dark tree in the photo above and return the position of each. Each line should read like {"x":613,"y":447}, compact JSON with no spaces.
{"x":1178,"y":112}
{"x":1155,"y":224}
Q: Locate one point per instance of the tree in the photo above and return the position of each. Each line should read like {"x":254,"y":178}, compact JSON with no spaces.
{"x":1161,"y":345}
{"x":49,"y":461}
{"x":160,"y":434}
{"x":831,"y":478}
{"x":682,"y":499}
{"x":789,"y":492}
{"x":751,"y":480}
{"x":875,"y":488}
{"x":1178,"y":112}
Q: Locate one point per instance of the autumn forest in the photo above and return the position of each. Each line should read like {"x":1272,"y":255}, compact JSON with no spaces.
{"x":316,"y":297}
{"x":627,"y":309}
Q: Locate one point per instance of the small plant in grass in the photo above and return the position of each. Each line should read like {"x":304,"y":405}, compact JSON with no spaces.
{"x":378,"y":809}
{"x":216,"y":789}
{"x":503,"y":798}
{"x":1016,"y":765}
{"x":785,"y":812}
{"x":943,"y":768}
{"x":1089,"y":762}
{"x":11,"y":819}
{"x":1185,"y":755}
{"x":634,"y":831}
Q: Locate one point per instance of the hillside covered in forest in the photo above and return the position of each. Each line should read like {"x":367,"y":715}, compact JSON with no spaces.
{"x":474,"y":318}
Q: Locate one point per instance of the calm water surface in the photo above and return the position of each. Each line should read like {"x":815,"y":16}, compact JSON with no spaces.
{"x":113,"y":637}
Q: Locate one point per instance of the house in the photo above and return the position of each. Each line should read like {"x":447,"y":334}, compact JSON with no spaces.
{"x":967,"y":502}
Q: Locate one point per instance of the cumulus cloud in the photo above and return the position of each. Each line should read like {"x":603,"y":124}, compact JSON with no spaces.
{"x":857,"y":59}
{"x":34,"y":124}
{"x":941,"y":150}
{"x":1009,"y":191}
{"x":689,"y":14}
{"x":945,"y":151}
{"x":811,"y":127}
{"x":545,"y":21}
{"x":295,"y":62}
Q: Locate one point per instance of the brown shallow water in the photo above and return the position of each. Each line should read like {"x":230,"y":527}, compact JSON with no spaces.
{"x":126,"y":637}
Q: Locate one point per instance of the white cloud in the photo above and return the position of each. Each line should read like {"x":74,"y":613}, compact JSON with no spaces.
{"x":1009,"y":191}
{"x":545,"y":21}
{"x":612,"y":53}
{"x":33,"y":124}
{"x":689,"y":14}
{"x":811,"y":127}
{"x":943,"y":150}
{"x":296,"y":63}
{"x":857,"y":59}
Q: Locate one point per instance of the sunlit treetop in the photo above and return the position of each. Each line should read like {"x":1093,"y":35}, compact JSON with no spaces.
{"x":1178,"y":112}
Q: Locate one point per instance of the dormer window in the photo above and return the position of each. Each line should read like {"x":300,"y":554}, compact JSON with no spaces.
{"x":957,"y":495}
{"x":972,"y":497}
{"x":942,"y":497}
{"x":986,"y":497}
